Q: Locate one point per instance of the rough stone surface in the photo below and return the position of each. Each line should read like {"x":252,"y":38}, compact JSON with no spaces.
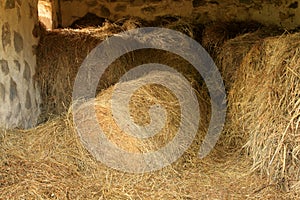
{"x":120,"y":8}
{"x":27,"y":72}
{"x":137,"y":3}
{"x":283,"y":13}
{"x":47,"y":14}
{"x":294,"y":5}
{"x":197,"y":3}
{"x":19,"y":2}
{"x":246,"y":1}
{"x":31,"y":10}
{"x":18,"y":42}
{"x":91,"y":3}
{"x":6,"y":35}
{"x":19,"y":96}
{"x":4,"y":67}
{"x":2,"y":92}
{"x":28,"y":100}
{"x":13,"y":92}
{"x":148,"y":10}
{"x":105,"y":11}
{"x":19,"y":14}
{"x":17,"y":65}
{"x":18,"y":110}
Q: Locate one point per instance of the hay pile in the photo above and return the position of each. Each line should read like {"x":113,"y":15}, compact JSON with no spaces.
{"x":50,"y":162}
{"x":140,"y":103}
{"x":265,"y":99}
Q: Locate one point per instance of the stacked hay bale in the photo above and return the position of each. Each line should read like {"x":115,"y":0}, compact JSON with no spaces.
{"x":217,"y":33}
{"x":61,"y":53}
{"x":261,"y":74}
{"x":266,"y":104}
{"x":228,"y":44}
{"x":229,"y":59}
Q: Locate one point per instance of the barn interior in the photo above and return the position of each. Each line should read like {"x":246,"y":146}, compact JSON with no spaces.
{"x":254,"y":44}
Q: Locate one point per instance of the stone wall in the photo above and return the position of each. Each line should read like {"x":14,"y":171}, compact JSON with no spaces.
{"x":19,"y":96}
{"x":45,"y":13}
{"x":284,"y":13}
{"x":48,"y":11}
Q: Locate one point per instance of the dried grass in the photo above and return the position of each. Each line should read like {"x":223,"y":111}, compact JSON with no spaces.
{"x":50,"y":162}
{"x":61,"y":53}
{"x":262,"y":77}
{"x":266,"y":107}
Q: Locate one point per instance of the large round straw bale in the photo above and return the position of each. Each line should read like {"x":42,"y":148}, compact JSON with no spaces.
{"x":61,"y":53}
{"x":140,"y":102}
{"x":266,"y":105}
{"x":229,"y":61}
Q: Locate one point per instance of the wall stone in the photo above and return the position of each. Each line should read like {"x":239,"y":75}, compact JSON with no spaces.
{"x":2,"y":92}
{"x":6,"y":35}
{"x":19,"y":95}
{"x":4,"y":67}
{"x":18,"y":42}
{"x":285,"y":13}
{"x":45,"y":13}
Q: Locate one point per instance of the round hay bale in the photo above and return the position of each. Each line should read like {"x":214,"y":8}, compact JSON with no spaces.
{"x":141,"y":101}
{"x":61,"y":53}
{"x":59,"y":56}
{"x":266,"y":107}
{"x":229,"y":60}
{"x":182,"y":26}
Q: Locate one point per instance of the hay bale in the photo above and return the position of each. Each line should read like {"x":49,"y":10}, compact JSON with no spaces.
{"x":232,"y":52}
{"x":266,"y":108}
{"x":229,"y":59}
{"x":229,"y":42}
{"x":141,"y":100}
{"x":61,"y":53}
